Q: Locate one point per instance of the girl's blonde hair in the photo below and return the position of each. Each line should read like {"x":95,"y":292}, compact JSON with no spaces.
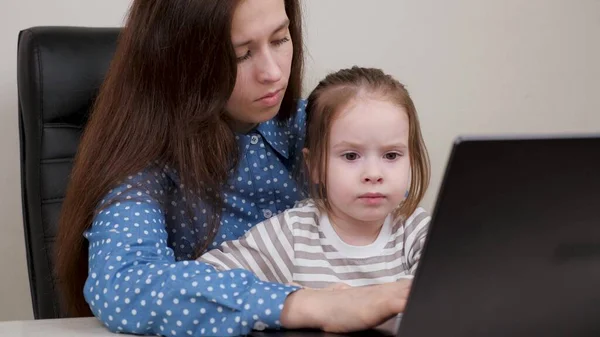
{"x":335,"y":92}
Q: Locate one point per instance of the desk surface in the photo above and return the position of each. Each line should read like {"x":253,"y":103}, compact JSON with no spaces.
{"x":54,"y":328}
{"x":84,"y":327}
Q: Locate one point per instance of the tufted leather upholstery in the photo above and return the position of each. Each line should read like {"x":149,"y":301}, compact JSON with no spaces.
{"x":59,"y":71}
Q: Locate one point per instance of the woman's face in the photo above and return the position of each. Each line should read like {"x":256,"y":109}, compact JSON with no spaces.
{"x":264,"y":51}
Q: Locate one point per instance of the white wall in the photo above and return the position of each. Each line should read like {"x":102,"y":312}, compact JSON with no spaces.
{"x":472,"y":66}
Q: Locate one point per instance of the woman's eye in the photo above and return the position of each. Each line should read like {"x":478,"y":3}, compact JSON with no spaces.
{"x":276,"y":43}
{"x":350,"y":156}
{"x":281,"y":41}
{"x":245,"y":57}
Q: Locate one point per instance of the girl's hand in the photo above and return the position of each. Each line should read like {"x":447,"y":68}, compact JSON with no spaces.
{"x":345,"y":310}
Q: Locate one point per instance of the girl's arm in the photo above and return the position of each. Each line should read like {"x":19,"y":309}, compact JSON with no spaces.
{"x":267,"y":250}
{"x":415,"y":231}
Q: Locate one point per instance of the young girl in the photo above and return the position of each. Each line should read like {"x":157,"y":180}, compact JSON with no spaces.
{"x":364,"y":151}
{"x":193,"y":139}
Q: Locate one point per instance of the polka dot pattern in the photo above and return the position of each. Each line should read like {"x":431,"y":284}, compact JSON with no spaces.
{"x":142,"y":278}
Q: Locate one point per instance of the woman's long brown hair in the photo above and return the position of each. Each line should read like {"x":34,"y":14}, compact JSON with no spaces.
{"x":162,"y":101}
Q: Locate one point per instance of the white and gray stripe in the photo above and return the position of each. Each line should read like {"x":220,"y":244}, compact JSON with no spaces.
{"x":300,"y":246}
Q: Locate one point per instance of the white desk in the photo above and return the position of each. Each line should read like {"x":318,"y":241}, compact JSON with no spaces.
{"x":83,"y":327}
{"x":86,"y":327}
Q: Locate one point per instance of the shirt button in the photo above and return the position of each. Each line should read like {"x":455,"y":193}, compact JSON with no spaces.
{"x":254,"y":140}
{"x":259,"y":326}
{"x":267,"y":213}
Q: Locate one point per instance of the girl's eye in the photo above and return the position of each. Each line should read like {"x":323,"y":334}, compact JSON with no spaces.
{"x":350,"y":156}
{"x":281,"y":41}
{"x":392,"y":155}
{"x":245,"y":57}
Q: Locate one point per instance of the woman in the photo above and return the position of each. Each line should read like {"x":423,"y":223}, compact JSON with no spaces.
{"x":193,"y":139}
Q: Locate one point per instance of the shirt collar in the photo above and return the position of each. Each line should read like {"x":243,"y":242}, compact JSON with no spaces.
{"x":277,"y":134}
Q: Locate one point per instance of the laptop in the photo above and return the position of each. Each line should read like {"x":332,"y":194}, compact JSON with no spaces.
{"x":514,"y":243}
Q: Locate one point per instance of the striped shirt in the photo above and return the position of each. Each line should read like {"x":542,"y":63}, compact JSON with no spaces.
{"x":300,"y":246}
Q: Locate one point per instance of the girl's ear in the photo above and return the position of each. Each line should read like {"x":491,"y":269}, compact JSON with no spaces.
{"x":314,"y":176}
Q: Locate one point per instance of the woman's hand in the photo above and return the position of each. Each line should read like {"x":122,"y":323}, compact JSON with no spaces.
{"x":338,"y":286}
{"x":345,"y":310}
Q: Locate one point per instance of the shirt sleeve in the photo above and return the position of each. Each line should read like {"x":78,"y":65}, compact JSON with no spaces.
{"x":266,"y":250}
{"x":415,"y":232}
{"x":135,"y":285}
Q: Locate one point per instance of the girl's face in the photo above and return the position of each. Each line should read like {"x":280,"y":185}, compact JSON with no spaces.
{"x":264,"y":51}
{"x":368,"y":160}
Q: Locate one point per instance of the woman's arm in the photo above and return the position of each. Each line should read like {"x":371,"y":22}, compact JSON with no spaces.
{"x":136,"y":286}
{"x":345,"y":310}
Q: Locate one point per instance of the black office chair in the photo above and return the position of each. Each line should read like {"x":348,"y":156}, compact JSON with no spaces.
{"x":59,"y":71}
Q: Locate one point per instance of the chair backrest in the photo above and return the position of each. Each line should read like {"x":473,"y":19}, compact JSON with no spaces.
{"x":59,"y":72}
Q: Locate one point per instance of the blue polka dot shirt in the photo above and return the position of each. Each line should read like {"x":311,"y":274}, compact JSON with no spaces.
{"x":142,"y":278}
